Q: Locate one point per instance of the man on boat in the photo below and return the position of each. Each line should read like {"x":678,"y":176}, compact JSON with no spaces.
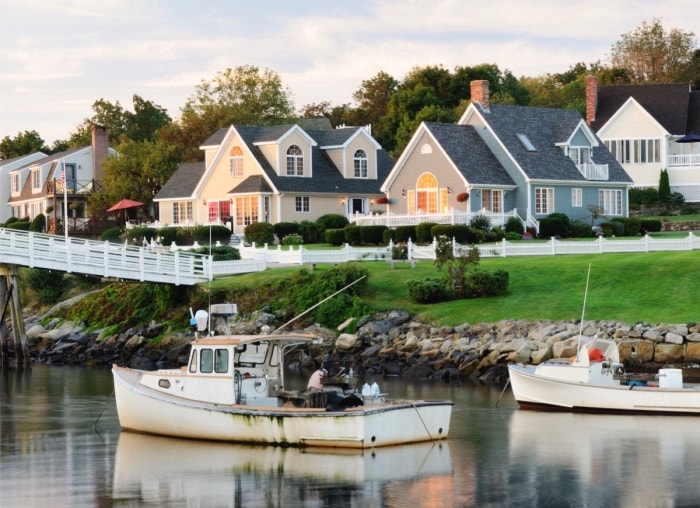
{"x":315,"y":381}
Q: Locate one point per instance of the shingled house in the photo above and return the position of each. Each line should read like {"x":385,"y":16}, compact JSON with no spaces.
{"x":504,"y":161}
{"x":284,"y":173}
{"x":641,"y":126}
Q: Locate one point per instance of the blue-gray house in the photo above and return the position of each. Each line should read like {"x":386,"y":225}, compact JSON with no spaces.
{"x":502,"y":161}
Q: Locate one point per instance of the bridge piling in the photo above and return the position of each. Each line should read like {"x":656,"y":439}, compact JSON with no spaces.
{"x":9,"y":297}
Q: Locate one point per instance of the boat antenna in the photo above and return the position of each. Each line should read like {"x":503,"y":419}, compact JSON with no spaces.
{"x":583,"y":312}
{"x":319,"y":303}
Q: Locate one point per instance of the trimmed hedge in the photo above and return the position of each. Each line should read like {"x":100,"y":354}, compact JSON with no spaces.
{"x":283,"y":229}
{"x":352,"y":235}
{"x":423,"y":232}
{"x":335,"y":237}
{"x":650,"y":225}
{"x":404,"y":233}
{"x":372,"y":234}
{"x":260,"y":233}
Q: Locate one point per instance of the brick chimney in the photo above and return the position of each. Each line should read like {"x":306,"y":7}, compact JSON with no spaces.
{"x":100,"y":148}
{"x":591,"y":98}
{"x":479,"y":89}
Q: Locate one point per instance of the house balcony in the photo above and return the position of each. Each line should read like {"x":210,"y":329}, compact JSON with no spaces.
{"x":685,"y":161}
{"x":593,"y":171}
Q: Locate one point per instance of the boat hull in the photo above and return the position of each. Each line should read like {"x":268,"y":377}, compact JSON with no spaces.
{"x":142,"y":409}
{"x":533,"y":391}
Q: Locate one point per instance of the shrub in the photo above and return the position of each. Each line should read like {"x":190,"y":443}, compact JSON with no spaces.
{"x":388,"y":236}
{"x":372,"y":234}
{"x":514,"y":226}
{"x":565,"y":232}
{"x":631,"y":225}
{"x":482,"y":283}
{"x":480,"y":222}
{"x":283,"y":229}
{"x":643,"y":196}
{"x":335,"y":236}
{"x":311,"y":232}
{"x":260,"y":233}
{"x":293,"y":239}
{"x":332,"y":221}
{"x":650,"y":225}
{"x":21,"y":225}
{"x":220,"y":252}
{"x":612,"y":228}
{"x":423,"y":232}
{"x":551,"y":226}
{"x":352,"y":235}
{"x":460,"y":232}
{"x":511,"y":236}
{"x":38,"y":224}
{"x":580,"y":229}
{"x":168,"y":235}
{"x":404,"y":233}
{"x":47,"y":284}
{"x":136,"y":236}
{"x":428,"y":290}
{"x":111,"y":235}
{"x":212,"y":234}
{"x":399,"y":251}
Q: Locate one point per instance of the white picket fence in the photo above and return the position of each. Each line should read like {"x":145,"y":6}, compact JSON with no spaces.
{"x":300,"y":255}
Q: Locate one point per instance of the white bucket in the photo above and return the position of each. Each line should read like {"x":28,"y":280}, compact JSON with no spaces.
{"x":670,"y":378}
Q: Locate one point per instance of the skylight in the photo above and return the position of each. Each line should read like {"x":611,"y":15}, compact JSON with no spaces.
{"x":526,"y":142}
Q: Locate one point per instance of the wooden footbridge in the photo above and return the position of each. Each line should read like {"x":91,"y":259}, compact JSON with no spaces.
{"x":101,"y":259}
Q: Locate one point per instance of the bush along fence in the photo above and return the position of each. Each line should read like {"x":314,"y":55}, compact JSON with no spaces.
{"x":299,"y":255}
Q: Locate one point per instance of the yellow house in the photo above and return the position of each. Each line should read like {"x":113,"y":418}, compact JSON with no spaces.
{"x":282,"y":173}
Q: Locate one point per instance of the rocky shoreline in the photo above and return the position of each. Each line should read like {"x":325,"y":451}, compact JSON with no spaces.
{"x":388,"y":344}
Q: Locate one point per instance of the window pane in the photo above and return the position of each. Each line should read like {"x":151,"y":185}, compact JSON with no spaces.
{"x":221,"y":360}
{"x":206,"y":361}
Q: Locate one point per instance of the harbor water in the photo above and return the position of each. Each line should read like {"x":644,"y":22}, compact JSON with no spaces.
{"x":61,"y":445}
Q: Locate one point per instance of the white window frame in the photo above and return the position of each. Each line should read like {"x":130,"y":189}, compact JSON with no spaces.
{"x":182,"y":212}
{"x":36,"y":179}
{"x":576,"y":197}
{"x":295,"y":161}
{"x":360,"y":164}
{"x":236,"y":162}
{"x":14,"y":183}
{"x":610,"y":201}
{"x":544,"y":200}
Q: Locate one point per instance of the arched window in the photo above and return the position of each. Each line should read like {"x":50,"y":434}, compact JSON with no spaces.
{"x":360,"y":163}
{"x":236,"y":161}
{"x":427,"y":193}
{"x":295,"y":161}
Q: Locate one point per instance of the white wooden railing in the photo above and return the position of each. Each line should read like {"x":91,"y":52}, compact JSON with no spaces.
{"x":592,"y":171}
{"x":453,"y":216}
{"x":686,"y":160}
{"x":102,"y":259}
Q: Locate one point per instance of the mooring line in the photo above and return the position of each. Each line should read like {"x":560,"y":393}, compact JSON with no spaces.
{"x":502,"y":392}
{"x":94,"y":425}
{"x":421,"y":419}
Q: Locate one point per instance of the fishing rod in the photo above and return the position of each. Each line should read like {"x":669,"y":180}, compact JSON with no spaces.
{"x":319,"y":303}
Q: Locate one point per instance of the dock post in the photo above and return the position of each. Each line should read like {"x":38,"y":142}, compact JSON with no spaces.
{"x":11,"y":298}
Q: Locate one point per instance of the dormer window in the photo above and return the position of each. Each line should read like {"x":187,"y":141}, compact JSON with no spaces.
{"x":360,"y":162}
{"x":236,"y":161}
{"x":36,"y":180}
{"x":295,"y":161}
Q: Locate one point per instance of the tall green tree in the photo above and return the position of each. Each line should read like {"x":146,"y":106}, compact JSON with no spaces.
{"x":243,"y":95}
{"x":24,"y":143}
{"x":138,"y":172}
{"x":664,"y":187}
{"x":653,"y":54}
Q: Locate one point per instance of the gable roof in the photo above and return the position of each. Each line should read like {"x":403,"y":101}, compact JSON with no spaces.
{"x":667,"y":103}
{"x":183,"y":181}
{"x":468,"y":152}
{"x":327,"y":178}
{"x":546,"y":128}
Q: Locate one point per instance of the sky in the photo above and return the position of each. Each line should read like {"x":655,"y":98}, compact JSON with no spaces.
{"x":58,"y":58}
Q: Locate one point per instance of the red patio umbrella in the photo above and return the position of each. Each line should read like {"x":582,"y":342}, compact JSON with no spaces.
{"x":124,"y":204}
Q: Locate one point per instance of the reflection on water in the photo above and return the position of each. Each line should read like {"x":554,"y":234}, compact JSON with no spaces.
{"x":495,"y":456}
{"x":149,"y":468}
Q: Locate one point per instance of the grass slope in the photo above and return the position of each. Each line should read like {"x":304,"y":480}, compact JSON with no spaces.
{"x":659,"y":287}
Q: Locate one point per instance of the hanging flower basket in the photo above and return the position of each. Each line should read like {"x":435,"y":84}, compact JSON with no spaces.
{"x":383,"y":200}
{"x":462,"y":197}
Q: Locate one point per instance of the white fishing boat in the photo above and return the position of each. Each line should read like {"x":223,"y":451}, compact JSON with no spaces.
{"x":594,"y":380}
{"x":233,"y":389}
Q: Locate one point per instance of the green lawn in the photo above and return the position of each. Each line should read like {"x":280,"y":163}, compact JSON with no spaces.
{"x":659,"y":287}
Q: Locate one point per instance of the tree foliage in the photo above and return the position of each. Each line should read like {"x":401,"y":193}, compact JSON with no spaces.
{"x":138,"y":173}
{"x":24,"y":143}
{"x":652,"y":54}
{"x":244,"y":95}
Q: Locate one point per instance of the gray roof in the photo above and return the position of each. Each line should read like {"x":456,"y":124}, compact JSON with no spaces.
{"x":546,"y":127}
{"x":327,"y":178}
{"x":668,"y":103}
{"x":469,"y":153}
{"x":254,"y":183}
{"x":183,"y":181}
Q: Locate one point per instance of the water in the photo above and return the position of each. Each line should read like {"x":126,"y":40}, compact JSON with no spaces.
{"x":496,"y":456}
